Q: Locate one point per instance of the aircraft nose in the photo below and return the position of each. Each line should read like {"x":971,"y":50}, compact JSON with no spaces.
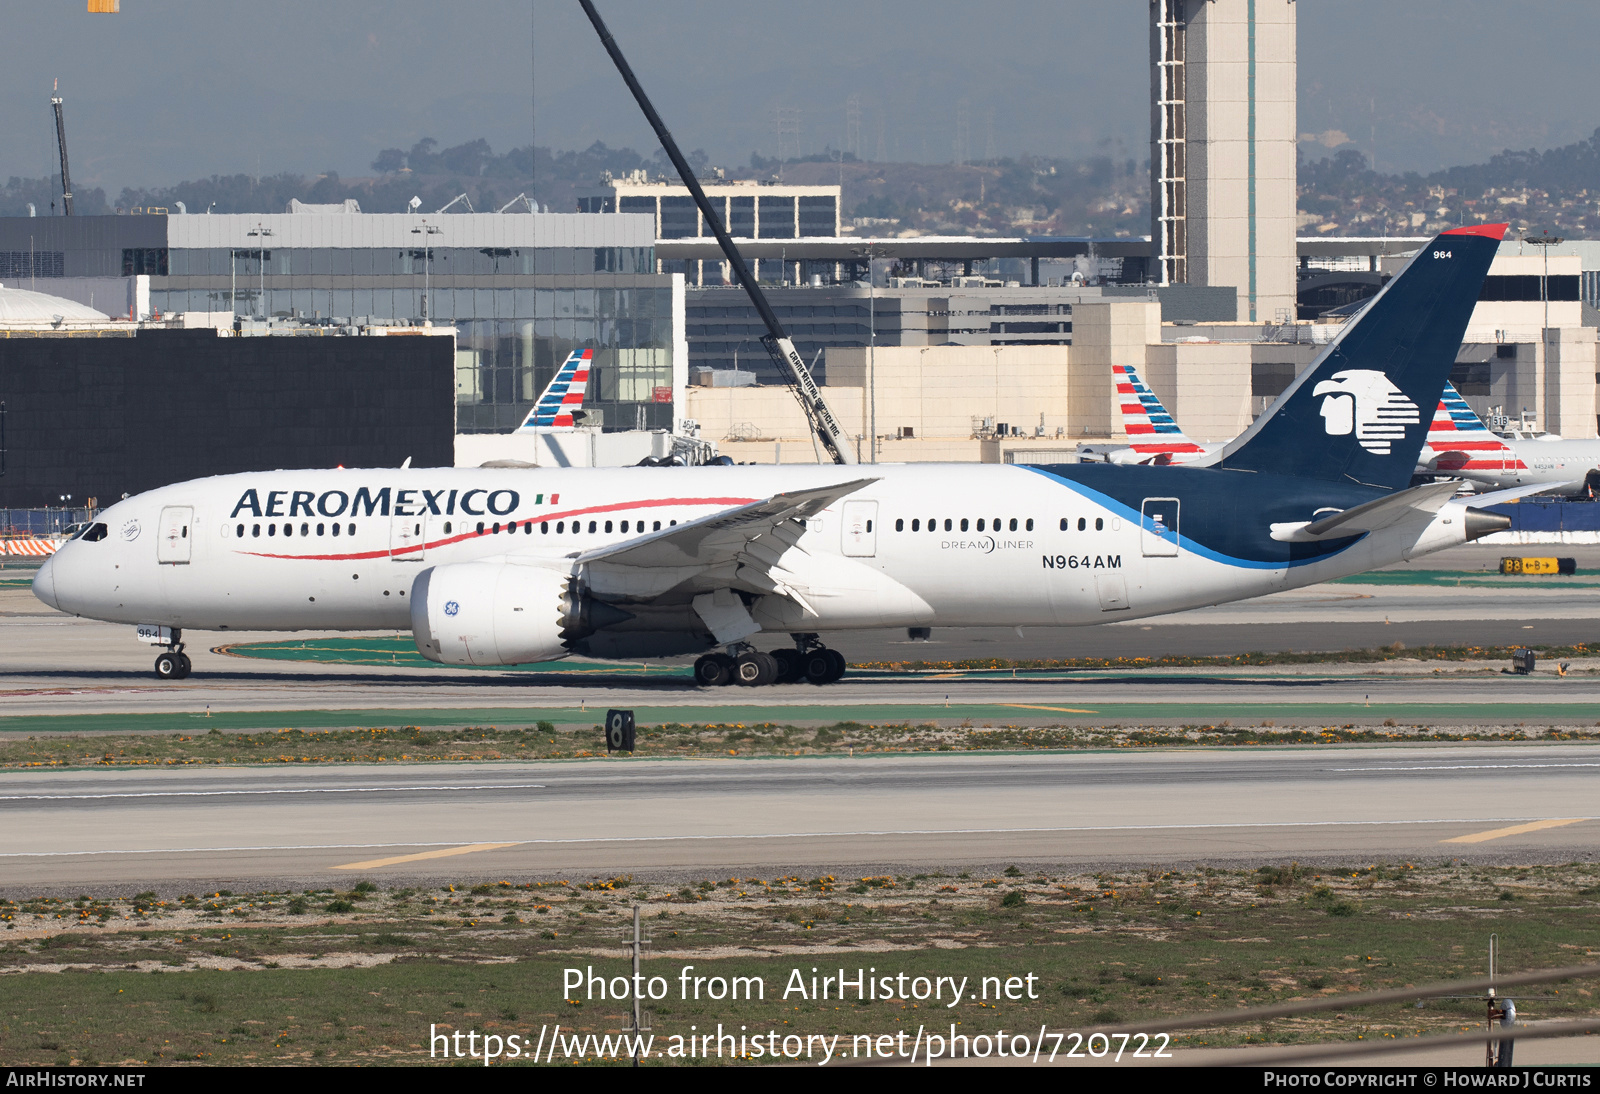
{"x":44,"y":584}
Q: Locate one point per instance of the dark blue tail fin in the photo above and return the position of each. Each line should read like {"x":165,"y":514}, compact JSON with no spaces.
{"x":1361,"y":412}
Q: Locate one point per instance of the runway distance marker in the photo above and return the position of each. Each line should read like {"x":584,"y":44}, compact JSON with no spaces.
{"x":471,"y":848}
{"x":1514,"y":830}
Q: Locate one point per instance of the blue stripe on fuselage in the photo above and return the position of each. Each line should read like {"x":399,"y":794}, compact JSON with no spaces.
{"x":1224,"y":516}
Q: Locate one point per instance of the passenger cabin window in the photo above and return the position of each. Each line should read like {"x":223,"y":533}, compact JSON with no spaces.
{"x":1082,"y":524}
{"x":1099,"y":524}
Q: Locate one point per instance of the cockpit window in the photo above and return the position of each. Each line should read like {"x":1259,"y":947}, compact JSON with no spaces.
{"x":93,"y":533}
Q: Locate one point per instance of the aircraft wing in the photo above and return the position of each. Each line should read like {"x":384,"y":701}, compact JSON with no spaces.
{"x":740,"y":548}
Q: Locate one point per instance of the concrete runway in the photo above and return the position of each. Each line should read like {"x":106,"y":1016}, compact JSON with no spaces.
{"x":246,"y":827}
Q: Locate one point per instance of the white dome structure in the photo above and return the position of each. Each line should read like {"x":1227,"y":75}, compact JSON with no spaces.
{"x":35,"y":310}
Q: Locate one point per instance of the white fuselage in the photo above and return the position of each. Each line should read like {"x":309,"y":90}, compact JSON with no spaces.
{"x":1007,"y":546}
{"x":1516,"y":461}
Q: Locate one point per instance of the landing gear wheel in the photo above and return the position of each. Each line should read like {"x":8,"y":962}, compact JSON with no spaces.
{"x":713,"y":670}
{"x":755,"y":669}
{"x":184,"y":665}
{"x":169,"y":667}
{"x":836,"y":665}
{"x":790,"y":665}
{"x":818,"y":665}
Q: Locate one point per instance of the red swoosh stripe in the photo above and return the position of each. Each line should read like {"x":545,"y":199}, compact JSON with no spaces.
{"x":544,"y":517}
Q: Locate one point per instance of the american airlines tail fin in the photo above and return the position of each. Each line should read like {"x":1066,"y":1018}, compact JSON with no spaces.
{"x":1356,"y":415}
{"x":1152,"y":433}
{"x":1459,"y":441}
{"x":560,"y":408}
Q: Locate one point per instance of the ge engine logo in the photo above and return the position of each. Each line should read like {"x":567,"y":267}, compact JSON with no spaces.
{"x":1365,"y":402}
{"x":451,"y":607}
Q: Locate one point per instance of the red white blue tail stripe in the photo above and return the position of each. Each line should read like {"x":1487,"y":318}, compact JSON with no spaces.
{"x":1151,"y":431}
{"x":553,"y":412}
{"x":1459,"y":441}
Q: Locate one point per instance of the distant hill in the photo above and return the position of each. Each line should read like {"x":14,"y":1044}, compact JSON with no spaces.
{"x":1558,"y":189}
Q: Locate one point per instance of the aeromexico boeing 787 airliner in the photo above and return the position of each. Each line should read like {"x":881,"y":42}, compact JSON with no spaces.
{"x":501,"y":566}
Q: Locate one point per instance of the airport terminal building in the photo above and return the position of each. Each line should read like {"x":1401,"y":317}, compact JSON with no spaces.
{"x":522,"y":290}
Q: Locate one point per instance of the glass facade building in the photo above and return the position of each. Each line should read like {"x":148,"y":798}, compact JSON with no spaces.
{"x":522,"y":290}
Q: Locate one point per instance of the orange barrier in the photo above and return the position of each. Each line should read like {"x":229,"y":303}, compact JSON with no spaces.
{"x":29,"y":545}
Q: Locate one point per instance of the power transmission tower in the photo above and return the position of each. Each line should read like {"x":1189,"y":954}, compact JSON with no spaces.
{"x":963,"y":141}
{"x":852,"y":126}
{"x":786,"y":120}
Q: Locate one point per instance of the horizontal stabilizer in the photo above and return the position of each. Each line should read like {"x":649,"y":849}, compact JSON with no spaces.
{"x":1370,"y":517}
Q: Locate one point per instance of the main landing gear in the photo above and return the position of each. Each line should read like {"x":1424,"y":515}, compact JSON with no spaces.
{"x":749,"y":667}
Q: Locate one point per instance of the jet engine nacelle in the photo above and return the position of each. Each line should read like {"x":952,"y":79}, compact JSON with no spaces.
{"x":491,"y":613}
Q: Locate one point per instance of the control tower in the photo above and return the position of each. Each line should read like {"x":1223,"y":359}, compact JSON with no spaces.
{"x":1222,"y":149}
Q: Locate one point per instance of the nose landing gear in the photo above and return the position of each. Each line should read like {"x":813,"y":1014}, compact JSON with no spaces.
{"x":172,"y":663}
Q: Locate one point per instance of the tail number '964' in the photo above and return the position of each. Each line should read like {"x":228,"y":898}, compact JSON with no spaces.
{"x":1082,"y":562}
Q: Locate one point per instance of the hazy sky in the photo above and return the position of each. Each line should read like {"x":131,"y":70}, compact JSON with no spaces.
{"x":175,"y":89}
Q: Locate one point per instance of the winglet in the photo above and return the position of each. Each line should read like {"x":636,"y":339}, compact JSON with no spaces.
{"x":1488,"y":231}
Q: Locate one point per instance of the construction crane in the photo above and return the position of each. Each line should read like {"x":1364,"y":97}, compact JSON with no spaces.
{"x":61,"y":139}
{"x":777,"y":341}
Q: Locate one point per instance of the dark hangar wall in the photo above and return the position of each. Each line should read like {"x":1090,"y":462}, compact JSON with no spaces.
{"x":103,"y":416}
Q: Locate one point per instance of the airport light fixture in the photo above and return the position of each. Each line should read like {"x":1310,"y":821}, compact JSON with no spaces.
{"x":261,"y":233}
{"x":868,"y":254}
{"x":425,"y":230}
{"x":1544,"y":241}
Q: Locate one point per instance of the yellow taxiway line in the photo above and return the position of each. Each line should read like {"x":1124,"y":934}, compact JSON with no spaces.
{"x":446,"y":852}
{"x":1061,"y":710}
{"x":1514,"y":830}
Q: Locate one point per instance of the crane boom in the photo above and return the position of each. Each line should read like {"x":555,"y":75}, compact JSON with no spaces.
{"x":776,"y":340}
{"x":61,"y":139}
